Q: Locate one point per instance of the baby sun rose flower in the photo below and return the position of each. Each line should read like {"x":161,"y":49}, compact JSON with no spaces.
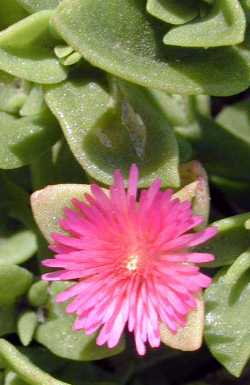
{"x":131,"y":261}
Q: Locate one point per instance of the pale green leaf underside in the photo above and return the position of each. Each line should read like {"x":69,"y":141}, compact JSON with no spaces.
{"x":130,"y":46}
{"x":101,"y":142}
{"x":25,"y":50}
{"x":224,"y":25}
{"x":227,"y":320}
{"x":48,"y":205}
{"x":173,"y":12}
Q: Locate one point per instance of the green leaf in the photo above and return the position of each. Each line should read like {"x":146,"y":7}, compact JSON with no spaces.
{"x":10,"y":13}
{"x":14,"y":282}
{"x":48,"y":205}
{"x":135,"y":51}
{"x":18,"y":248}
{"x":227,"y":319}
{"x":224,"y":149}
{"x":24,"y":367}
{"x":27,"y":45}
{"x":106,"y":139}
{"x":13,"y":93}
{"x":60,"y":339}
{"x":24,"y":139}
{"x":38,"y":294}
{"x":57,"y":334}
{"x":224,"y":25}
{"x":66,"y":167}
{"x":7,"y":319}
{"x":12,"y":379}
{"x":34,"y":103}
{"x":236,"y":120}
{"x":26,"y":326}
{"x":38,"y":5}
{"x":173,"y":12}
{"x":232,"y":240}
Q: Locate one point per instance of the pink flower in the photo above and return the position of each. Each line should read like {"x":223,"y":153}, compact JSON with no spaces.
{"x":131,"y":261}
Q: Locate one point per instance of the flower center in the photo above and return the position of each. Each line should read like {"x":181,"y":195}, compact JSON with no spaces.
{"x":132,"y":263}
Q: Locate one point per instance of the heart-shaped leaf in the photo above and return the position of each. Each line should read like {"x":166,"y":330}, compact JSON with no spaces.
{"x":18,"y":248}
{"x":27,"y":45}
{"x":130,"y":46}
{"x":232,"y":240}
{"x":224,"y":25}
{"x":48,"y":205}
{"x":189,"y":337}
{"x":104,"y":139}
{"x":227,"y":317}
{"x":14,"y":282}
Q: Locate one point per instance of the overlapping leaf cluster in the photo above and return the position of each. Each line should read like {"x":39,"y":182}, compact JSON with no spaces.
{"x":88,"y":86}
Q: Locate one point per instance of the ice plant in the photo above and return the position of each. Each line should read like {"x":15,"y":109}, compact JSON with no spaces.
{"x":130,"y":257}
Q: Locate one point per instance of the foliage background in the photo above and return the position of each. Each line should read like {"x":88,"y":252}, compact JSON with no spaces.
{"x":88,"y":86}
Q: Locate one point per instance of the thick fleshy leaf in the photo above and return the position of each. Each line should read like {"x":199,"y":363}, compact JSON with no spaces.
{"x":11,"y":378}
{"x":224,"y":25}
{"x":7,"y":319}
{"x":232,"y":240}
{"x":26,"y":45}
{"x":23,"y":367}
{"x":103,"y":139}
{"x":227,"y":317}
{"x":57,"y":334}
{"x":24,"y":139}
{"x":188,"y":338}
{"x":13,"y":93}
{"x":18,"y":248}
{"x":173,"y":12}
{"x":135,"y":50}
{"x":14,"y":282}
{"x":48,"y":205}
{"x":26,"y":326}
{"x":38,"y":5}
{"x":38,"y":294}
{"x":60,"y":339}
{"x":34,"y":103}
